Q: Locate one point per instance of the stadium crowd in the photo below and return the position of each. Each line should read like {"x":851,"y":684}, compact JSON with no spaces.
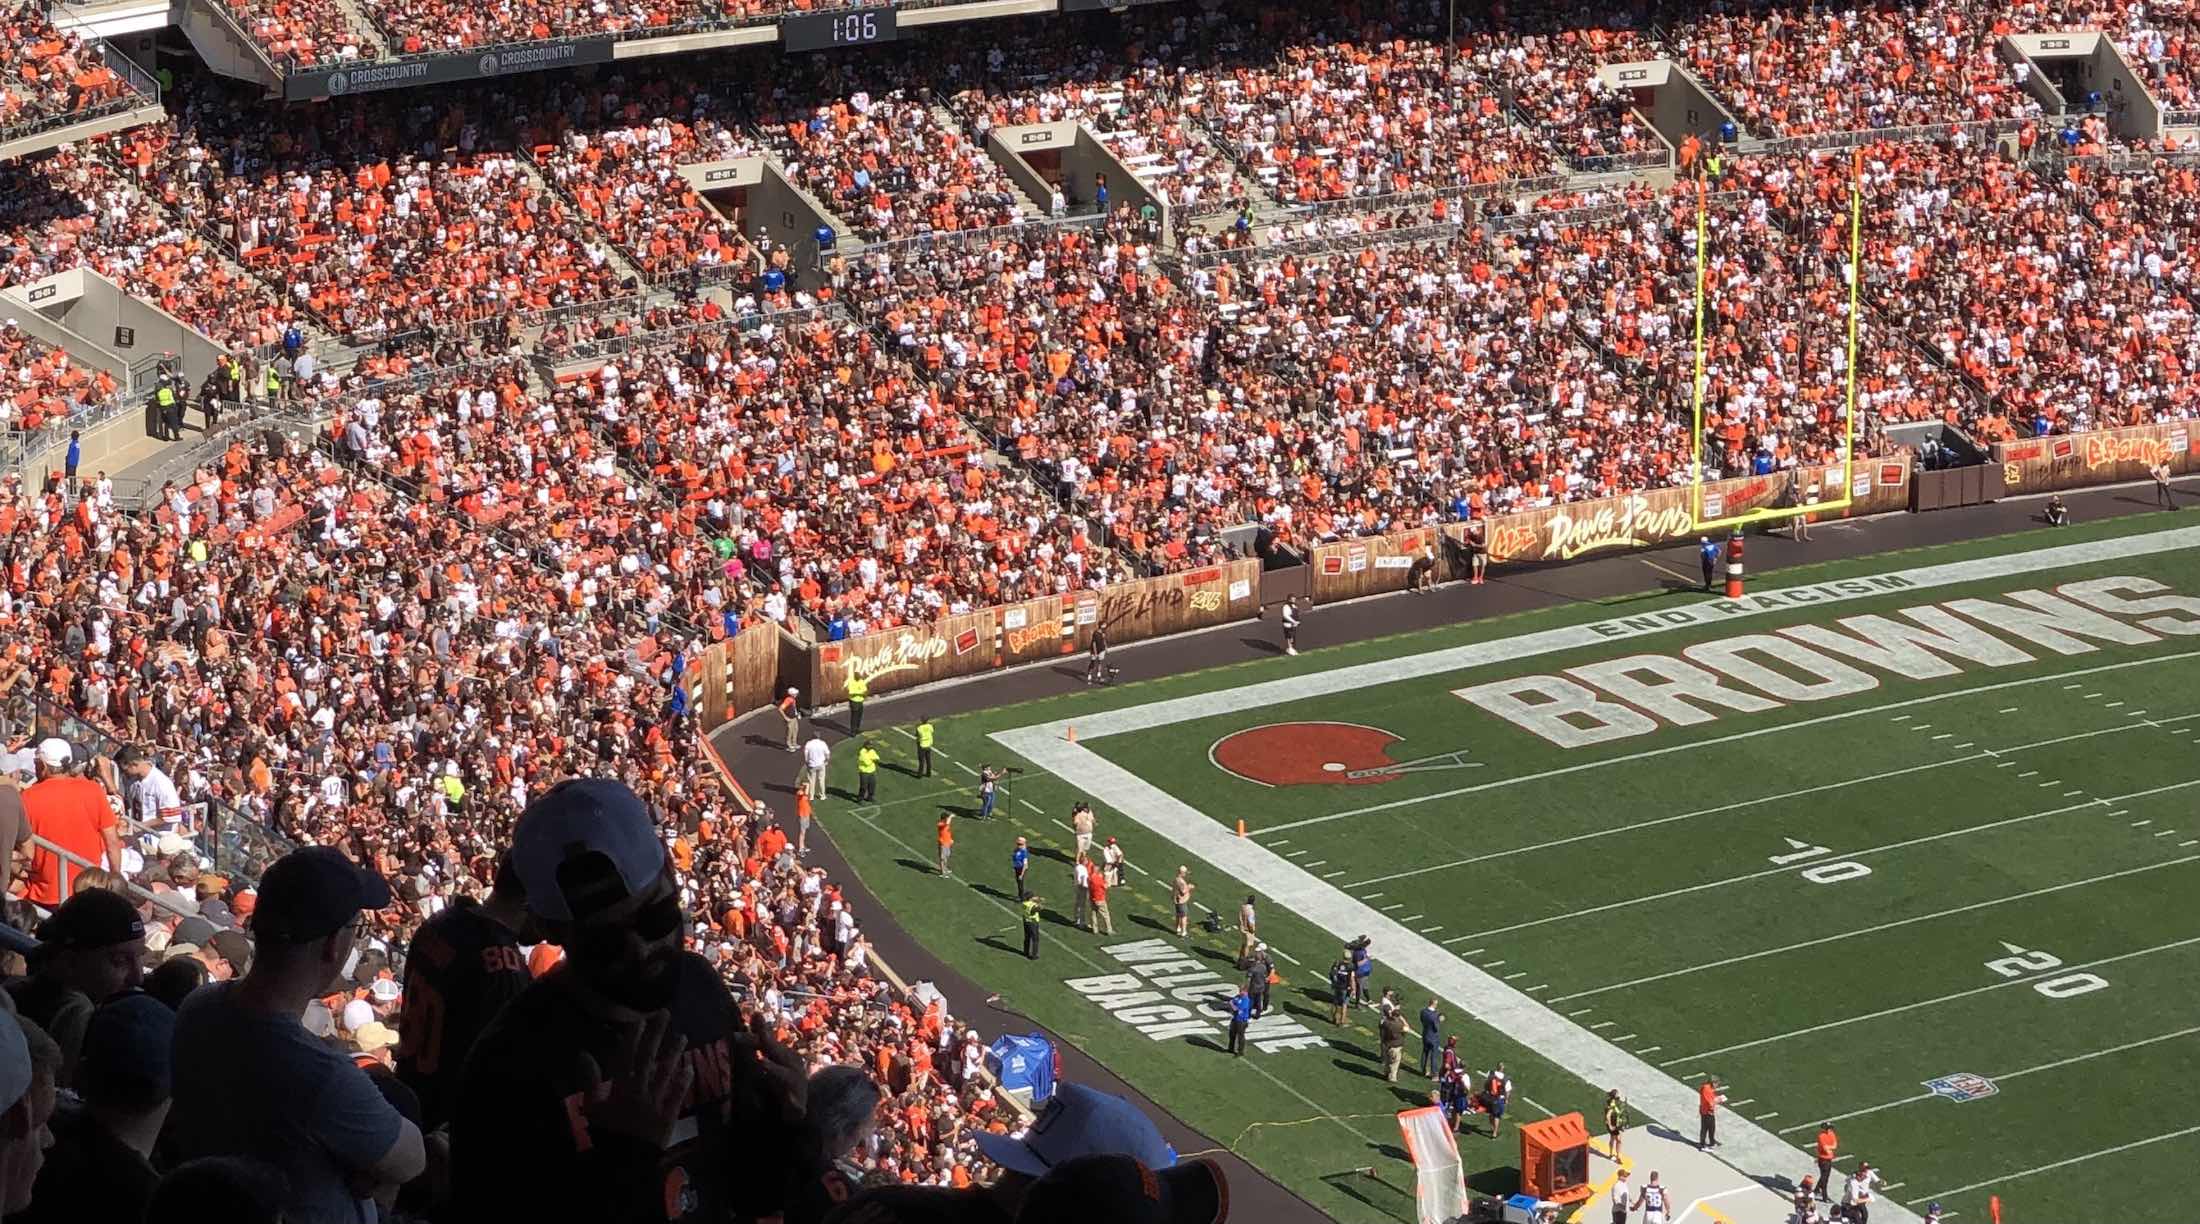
{"x":494,"y":566}
{"x":349,"y":665}
{"x":46,"y":74}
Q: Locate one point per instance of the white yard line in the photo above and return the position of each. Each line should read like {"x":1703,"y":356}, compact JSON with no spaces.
{"x":1305,"y":685}
{"x":2060,"y":1164}
{"x":1875,"y":929}
{"x":1749,"y":1147}
{"x":1753,"y":733}
{"x":2005,"y":1076}
{"x":1791,"y":868}
{"x":1740,"y":804}
{"x":1932,"y":1002}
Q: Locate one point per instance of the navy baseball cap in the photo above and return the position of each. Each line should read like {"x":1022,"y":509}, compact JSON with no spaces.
{"x":125,"y":1058}
{"x":1122,"y":1190}
{"x":1079,"y":1121}
{"x":583,"y":846}
{"x":312,"y":893}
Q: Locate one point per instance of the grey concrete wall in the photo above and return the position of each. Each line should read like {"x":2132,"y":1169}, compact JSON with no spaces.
{"x":787,"y":213}
{"x":1679,"y":105}
{"x":2098,"y":67}
{"x":99,"y":324}
{"x":1083,"y":155}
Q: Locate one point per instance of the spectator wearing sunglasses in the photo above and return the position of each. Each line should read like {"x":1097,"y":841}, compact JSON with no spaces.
{"x":621,"y":1080}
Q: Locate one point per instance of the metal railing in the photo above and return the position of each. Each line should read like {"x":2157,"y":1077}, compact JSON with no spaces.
{"x":239,"y":846}
{"x":1323,"y":244}
{"x":2181,"y":118}
{"x":139,"y":89}
{"x":72,"y":865}
{"x":894,"y":250}
{"x":2120,"y":162}
{"x":1982,"y":129}
{"x":1613,"y":163}
{"x":1400,"y":201}
{"x":17,"y":449}
{"x":1590,"y":214}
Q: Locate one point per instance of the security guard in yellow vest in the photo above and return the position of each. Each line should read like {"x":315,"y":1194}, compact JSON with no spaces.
{"x":924,"y":746}
{"x":867,"y":773}
{"x":164,"y":411}
{"x":272,"y":385}
{"x":858,"y":689}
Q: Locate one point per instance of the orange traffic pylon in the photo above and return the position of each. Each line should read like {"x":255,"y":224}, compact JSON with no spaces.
{"x":1241,"y":828}
{"x":1071,"y":733}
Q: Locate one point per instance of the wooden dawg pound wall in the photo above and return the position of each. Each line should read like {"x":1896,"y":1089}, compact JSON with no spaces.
{"x":756,"y":665}
{"x":1352,"y":568}
{"x":1045,"y":628}
{"x":2068,"y":461}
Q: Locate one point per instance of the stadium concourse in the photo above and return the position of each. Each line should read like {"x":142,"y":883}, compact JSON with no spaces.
{"x":533,"y":420}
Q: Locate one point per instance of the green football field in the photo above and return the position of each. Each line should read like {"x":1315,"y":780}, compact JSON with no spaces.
{"x":1909,"y":843}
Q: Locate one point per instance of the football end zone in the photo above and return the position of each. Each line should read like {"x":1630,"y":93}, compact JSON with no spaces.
{"x":1755,"y":1152}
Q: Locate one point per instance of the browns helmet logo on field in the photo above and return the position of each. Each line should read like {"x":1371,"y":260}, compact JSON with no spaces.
{"x":1321,"y":754}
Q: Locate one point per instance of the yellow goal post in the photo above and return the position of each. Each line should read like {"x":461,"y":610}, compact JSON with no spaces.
{"x":1769,"y":514}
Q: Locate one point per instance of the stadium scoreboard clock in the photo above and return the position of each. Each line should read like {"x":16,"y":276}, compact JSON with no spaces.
{"x":848,"y":28}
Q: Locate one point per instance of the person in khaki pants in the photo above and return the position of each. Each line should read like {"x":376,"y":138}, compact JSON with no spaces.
{"x":1392,"y":1031}
{"x":1102,"y":922}
{"x":794,"y":720}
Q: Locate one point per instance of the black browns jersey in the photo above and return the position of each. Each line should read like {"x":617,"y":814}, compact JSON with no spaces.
{"x":464,"y":966}
{"x":523,"y":1148}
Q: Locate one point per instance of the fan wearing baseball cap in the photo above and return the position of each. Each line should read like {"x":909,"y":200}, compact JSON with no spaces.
{"x":71,"y":812}
{"x":251,"y":1081}
{"x":92,"y":947}
{"x":619,"y":1084}
{"x":1124,"y":1190}
{"x":1077,"y":1121}
{"x":100,"y":1167}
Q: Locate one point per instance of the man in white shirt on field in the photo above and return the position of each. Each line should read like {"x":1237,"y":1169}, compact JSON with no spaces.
{"x":1859,"y":1194}
{"x":817,"y":758}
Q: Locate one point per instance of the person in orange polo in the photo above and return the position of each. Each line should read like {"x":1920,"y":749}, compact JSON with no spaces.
{"x":1828,"y":1144}
{"x":1707,"y":1110}
{"x":801,"y":823}
{"x":947,"y":840}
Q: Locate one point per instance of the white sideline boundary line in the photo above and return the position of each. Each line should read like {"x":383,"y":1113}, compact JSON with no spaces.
{"x":2005,"y":1076}
{"x":1750,"y":1148}
{"x":1899,"y":1008}
{"x":1739,"y":804}
{"x":1753,"y":733}
{"x":2060,"y":1164}
{"x":1768,"y":872}
{"x":1513,"y":649}
{"x":1874,"y":930}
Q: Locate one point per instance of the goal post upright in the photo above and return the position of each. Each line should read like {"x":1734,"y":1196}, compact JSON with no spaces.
{"x":1771,"y":514}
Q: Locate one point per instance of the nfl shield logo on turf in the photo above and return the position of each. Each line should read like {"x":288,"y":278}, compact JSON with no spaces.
{"x":1962,"y":1086}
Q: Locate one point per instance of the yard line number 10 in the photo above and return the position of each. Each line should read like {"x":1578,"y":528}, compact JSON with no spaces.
{"x":1819,"y":873}
{"x":2017,"y":964}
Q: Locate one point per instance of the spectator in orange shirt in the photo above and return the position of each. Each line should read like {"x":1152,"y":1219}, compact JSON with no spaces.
{"x":71,"y":812}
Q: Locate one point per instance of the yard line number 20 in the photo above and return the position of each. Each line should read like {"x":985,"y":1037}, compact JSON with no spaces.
{"x":2021,"y":961}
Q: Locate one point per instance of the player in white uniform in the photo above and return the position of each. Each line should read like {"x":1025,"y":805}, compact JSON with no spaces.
{"x":1652,"y":1201}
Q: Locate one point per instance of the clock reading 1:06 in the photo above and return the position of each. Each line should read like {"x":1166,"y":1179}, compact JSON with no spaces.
{"x":849,"y":28}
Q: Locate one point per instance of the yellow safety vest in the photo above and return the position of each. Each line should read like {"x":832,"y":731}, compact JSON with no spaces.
{"x":924,"y":735}
{"x":858,"y":688}
{"x":867,"y":761}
